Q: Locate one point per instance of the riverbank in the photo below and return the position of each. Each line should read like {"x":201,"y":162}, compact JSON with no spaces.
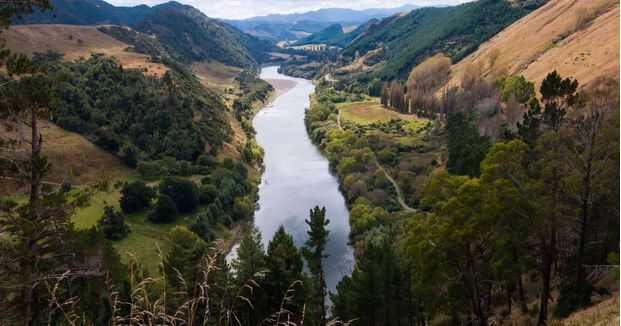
{"x":281,"y":86}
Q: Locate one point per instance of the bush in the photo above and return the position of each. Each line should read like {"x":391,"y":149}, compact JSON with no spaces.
{"x":129,"y":155}
{"x":165,"y":210}
{"x":242,"y":208}
{"x":149,"y":170}
{"x":136,"y":196}
{"x":112,"y":224}
{"x":207,"y":193}
{"x":183,"y":192}
{"x":202,"y":227}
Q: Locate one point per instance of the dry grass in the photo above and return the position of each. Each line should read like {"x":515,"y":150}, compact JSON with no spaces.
{"x":605,"y":313}
{"x":64,"y":39}
{"x":75,"y":159}
{"x":548,"y":39}
{"x":369,"y":112}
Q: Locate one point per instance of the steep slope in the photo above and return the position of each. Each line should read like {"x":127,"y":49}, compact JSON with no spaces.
{"x":578,"y":38}
{"x":455,"y":31}
{"x":182,"y":29}
{"x":73,"y":42}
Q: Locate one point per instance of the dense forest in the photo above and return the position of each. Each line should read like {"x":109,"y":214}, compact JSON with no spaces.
{"x":403,"y":41}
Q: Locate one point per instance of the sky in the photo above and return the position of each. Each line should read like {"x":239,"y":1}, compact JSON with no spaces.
{"x":239,"y":9}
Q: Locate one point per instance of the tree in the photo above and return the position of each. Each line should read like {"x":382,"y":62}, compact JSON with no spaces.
{"x":203,"y":225}
{"x":590,"y":154}
{"x":136,"y":196}
{"x":384,"y":96}
{"x":112,"y":224}
{"x":165,"y":210}
{"x":129,"y":155}
{"x":378,"y":290}
{"x":285,"y":265}
{"x":183,"y":261}
{"x":207,"y":193}
{"x":425,"y":79}
{"x":36,"y":244}
{"x":466,"y":149}
{"x":518,"y":86}
{"x":314,"y":252}
{"x":557,"y":95}
{"x":243,"y":208}
{"x":375,"y":87}
{"x":250,"y":265}
{"x":183,"y":192}
{"x":397,"y":100}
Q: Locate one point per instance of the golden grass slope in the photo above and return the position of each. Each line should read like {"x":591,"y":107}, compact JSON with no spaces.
{"x":74,"y":42}
{"x":578,"y":38}
{"x":74,"y":158}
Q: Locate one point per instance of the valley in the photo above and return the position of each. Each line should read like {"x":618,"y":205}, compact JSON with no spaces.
{"x":436,"y":165}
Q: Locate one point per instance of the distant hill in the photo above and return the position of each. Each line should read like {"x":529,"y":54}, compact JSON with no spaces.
{"x":281,"y":27}
{"x":335,"y":35}
{"x":181,"y":29}
{"x":577,"y":38}
{"x":407,"y":39}
{"x":335,"y":15}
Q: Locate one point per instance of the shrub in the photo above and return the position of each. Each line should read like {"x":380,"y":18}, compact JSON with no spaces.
{"x":183,"y":192}
{"x":149,"y":170}
{"x":207,"y":193}
{"x":136,"y":196}
{"x":129,"y":155}
{"x":242,"y":208}
{"x":112,"y":224}
{"x":202,"y":226}
{"x":165,"y":210}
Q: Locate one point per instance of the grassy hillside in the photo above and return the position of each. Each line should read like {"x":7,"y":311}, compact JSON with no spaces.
{"x":183,"y":30}
{"x":577,"y":38}
{"x":73,"y":42}
{"x":455,"y":31}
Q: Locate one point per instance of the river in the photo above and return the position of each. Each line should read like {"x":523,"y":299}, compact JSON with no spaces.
{"x":297,"y":176}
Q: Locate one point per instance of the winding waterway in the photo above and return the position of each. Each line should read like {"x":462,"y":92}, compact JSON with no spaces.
{"x":297,"y":177}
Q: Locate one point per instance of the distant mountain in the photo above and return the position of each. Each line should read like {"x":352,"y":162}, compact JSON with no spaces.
{"x":279,"y":27}
{"x":335,"y":15}
{"x":183,"y":30}
{"x":400,"y":42}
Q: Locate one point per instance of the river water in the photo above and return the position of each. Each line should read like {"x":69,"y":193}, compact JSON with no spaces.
{"x":297,"y":177}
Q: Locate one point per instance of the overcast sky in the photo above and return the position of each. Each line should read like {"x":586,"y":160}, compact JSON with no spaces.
{"x":236,"y":9}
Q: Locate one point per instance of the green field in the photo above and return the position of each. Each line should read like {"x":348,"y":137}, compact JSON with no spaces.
{"x":366,"y":113}
{"x":145,"y":236}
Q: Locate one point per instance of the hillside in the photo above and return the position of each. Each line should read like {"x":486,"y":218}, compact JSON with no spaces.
{"x":286,"y":27}
{"x":455,"y":31}
{"x":577,"y":38}
{"x":336,"y":35}
{"x":183,"y":30}
{"x":73,"y":42}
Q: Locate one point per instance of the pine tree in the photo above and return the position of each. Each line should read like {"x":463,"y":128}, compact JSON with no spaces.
{"x":249,"y":264}
{"x":285,"y":266}
{"x":314,"y":252}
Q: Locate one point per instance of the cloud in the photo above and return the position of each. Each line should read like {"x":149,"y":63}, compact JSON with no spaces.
{"x":239,"y":9}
